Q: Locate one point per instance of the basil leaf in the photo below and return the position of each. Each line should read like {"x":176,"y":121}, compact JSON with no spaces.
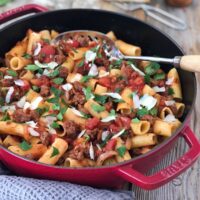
{"x":97,"y":108}
{"x":35,"y":88}
{"x":135,"y":120}
{"x":152,"y":68}
{"x":55,"y":91}
{"x":170,"y":91}
{"x":12,"y":72}
{"x":142,"y":112}
{"x":54,"y":152}
{"x":54,"y":73}
{"x":25,"y":145}
{"x":153,"y":111}
{"x":85,"y":78}
{"x":55,"y":125}
{"x":58,"y":81}
{"x":88,"y":93}
{"x":121,"y":151}
{"x":32,"y":68}
{"x":27,"y":56}
{"x":100,"y":98}
{"x":147,"y":78}
{"x":159,"y":76}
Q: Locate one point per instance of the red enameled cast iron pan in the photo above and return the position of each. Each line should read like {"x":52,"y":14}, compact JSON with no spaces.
{"x":153,"y":42}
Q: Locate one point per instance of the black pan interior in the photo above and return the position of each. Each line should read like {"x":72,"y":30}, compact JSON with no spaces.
{"x":152,"y":41}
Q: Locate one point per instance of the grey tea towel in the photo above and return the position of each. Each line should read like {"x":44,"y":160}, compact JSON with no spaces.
{"x":20,"y":188}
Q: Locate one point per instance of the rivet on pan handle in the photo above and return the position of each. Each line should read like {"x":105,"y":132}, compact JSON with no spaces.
{"x":20,"y":11}
{"x":167,"y":174}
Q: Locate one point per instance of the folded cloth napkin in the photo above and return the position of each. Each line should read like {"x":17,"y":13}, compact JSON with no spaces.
{"x":13,"y":187}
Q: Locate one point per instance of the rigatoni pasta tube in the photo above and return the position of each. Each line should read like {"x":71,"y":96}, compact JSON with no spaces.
{"x":45,"y":35}
{"x":164,"y":112}
{"x":162,"y":128}
{"x":176,"y":85}
{"x":12,"y":128}
{"x":69,"y":64}
{"x":128,"y":49}
{"x":35,"y":152}
{"x":92,"y":83}
{"x":124,"y":108}
{"x":71,"y":116}
{"x":90,"y":104}
{"x":148,"y":90}
{"x":10,"y":141}
{"x":54,"y":34}
{"x":18,"y":63}
{"x":78,"y":54}
{"x":26,"y":75}
{"x":48,"y":157}
{"x":70,"y":162}
{"x":140,"y":128}
{"x":126,"y":155}
{"x":144,"y":140}
{"x":111,"y":35}
{"x":33,"y":38}
{"x":73,"y":77}
{"x":100,"y":89}
{"x":180,"y":108}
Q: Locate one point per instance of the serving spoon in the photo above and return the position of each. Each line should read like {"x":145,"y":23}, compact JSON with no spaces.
{"x":188,"y":62}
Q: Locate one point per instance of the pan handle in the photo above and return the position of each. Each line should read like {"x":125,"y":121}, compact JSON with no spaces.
{"x":20,"y":11}
{"x":167,"y":174}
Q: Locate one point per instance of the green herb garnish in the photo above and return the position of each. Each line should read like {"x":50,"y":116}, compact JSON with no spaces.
{"x":97,"y":108}
{"x":35,"y":88}
{"x":87,"y":137}
{"x":152,"y":68}
{"x":55,"y":152}
{"x":159,"y":76}
{"x":81,"y":63}
{"x":53,"y":100}
{"x":27,"y":56}
{"x":32,"y":68}
{"x":55,"y":91}
{"x":121,"y":151}
{"x":170,"y":91}
{"x":56,"y":106}
{"x":25,"y":145}
{"x":147,"y":78}
{"x":88,"y":93}
{"x":135,"y":120}
{"x":142,"y":112}
{"x":5,"y":117}
{"x":58,"y":80}
{"x":12,"y":72}
{"x":41,"y":111}
{"x":153,"y":111}
{"x":100,"y":98}
{"x":85,"y":78}
{"x":55,"y":125}
{"x":54,"y":73}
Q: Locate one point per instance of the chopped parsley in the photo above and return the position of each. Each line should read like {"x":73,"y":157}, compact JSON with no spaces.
{"x":32,"y":67}
{"x":5,"y":117}
{"x":88,"y":93}
{"x":54,"y":152}
{"x":61,"y":113}
{"x":41,"y":111}
{"x":153,"y":111}
{"x":35,"y":88}
{"x":142,"y":112}
{"x":170,"y":91}
{"x":56,"y":106}
{"x":58,"y":80}
{"x":27,"y":56}
{"x":147,"y":78}
{"x":54,"y":73}
{"x":97,"y":108}
{"x":159,"y":76}
{"x":85,"y":78}
{"x":55,"y":125}
{"x":53,"y":100}
{"x":55,"y":91}
{"x":100,"y":98}
{"x":152,"y":68}
{"x":121,"y":151}
{"x":135,"y":120}
{"x":12,"y":72}
{"x":81,"y":64}
{"x":25,"y":145}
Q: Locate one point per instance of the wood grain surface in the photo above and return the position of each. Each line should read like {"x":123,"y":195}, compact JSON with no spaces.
{"x":187,"y":185}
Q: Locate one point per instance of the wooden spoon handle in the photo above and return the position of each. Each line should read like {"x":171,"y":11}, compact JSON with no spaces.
{"x":190,"y":63}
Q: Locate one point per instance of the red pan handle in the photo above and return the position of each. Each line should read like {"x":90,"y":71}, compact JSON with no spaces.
{"x":20,"y":11}
{"x":165,"y":175}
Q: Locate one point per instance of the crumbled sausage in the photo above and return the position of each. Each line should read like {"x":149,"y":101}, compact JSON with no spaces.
{"x":44,"y":91}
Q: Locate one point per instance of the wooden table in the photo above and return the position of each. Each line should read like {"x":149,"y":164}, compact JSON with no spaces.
{"x":186,"y":186}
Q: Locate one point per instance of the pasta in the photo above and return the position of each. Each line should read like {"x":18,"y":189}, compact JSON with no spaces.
{"x":74,"y":105}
